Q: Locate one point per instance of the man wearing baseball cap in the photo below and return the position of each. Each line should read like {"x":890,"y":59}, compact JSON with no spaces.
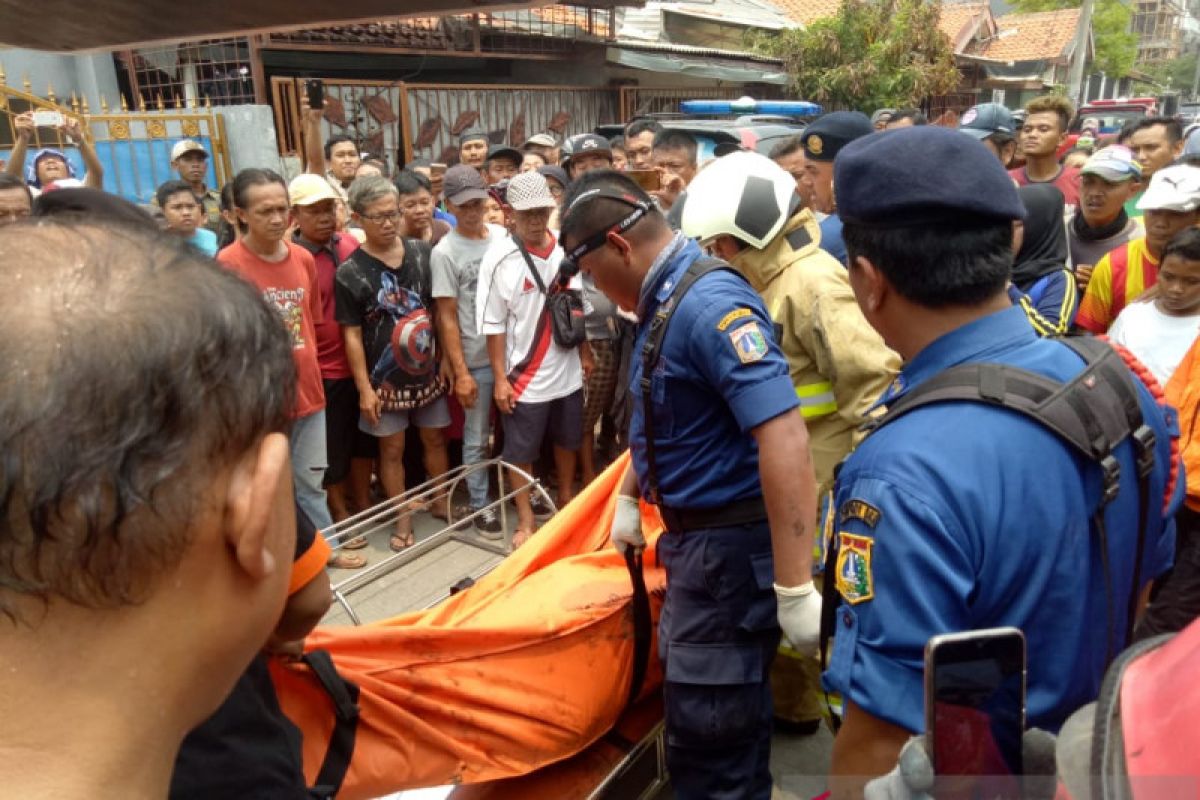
{"x":190,"y":160}
{"x":473,"y":147}
{"x":589,"y":151}
{"x":1107,"y":180}
{"x":544,"y":144}
{"x":822,"y":141}
{"x":501,"y":164}
{"x":538,"y":383}
{"x":1170,"y":204}
{"x":992,"y":124}
{"x":927,"y":539}
{"x":455,"y":265}
{"x":315,"y":209}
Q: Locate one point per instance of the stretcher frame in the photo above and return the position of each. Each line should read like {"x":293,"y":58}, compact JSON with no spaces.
{"x":641,"y":772}
{"x":387,"y":513}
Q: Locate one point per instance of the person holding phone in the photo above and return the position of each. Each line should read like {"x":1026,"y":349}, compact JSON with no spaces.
{"x":963,"y":515}
{"x":50,"y":165}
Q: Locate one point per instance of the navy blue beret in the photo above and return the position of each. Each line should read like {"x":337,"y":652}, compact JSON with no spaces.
{"x":922,"y":174}
{"x":827,"y":135}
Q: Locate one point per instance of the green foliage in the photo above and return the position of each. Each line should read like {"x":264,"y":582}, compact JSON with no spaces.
{"x":873,"y":54}
{"x":1116,"y":47}
{"x":1178,"y":74}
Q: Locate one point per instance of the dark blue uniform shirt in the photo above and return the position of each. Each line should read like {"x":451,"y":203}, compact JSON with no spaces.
{"x":720,"y":375}
{"x":961,"y":516}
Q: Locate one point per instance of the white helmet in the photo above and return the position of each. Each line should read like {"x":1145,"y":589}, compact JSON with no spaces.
{"x":745,"y":195}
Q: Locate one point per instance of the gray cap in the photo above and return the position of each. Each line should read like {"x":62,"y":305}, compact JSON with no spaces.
{"x":985,"y":119}
{"x":463,"y":183}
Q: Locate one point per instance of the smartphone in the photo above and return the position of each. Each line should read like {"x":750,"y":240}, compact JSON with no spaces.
{"x":437,"y":169}
{"x":975,"y":710}
{"x":315,"y":89}
{"x":649,"y":179}
{"x":48,"y":119}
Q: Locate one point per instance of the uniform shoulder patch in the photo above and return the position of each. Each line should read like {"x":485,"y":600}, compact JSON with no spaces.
{"x":855,"y":583}
{"x":749,"y":343}
{"x":732,"y":317}
{"x":860,"y":510}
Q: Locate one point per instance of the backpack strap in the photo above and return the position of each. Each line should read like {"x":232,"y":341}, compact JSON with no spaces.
{"x":1093,"y":413}
{"x":344,"y":696}
{"x":652,"y":350}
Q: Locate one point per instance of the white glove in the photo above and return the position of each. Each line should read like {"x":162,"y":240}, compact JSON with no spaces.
{"x":627,"y":524}
{"x":800,"y":615}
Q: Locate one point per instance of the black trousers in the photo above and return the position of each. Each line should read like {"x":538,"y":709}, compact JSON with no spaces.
{"x":1175,"y":601}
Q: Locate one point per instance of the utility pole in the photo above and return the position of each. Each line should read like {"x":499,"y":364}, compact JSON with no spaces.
{"x":1075,"y":85}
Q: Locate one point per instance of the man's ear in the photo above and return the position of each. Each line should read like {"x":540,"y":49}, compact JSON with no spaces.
{"x":260,"y":489}
{"x":871,"y":287}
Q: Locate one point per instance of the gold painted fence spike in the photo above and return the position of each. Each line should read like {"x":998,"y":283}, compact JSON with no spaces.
{"x":3,"y":76}
{"x":74,"y":102}
{"x":124,"y":103}
{"x":141,"y":103}
{"x":50,"y":93}
{"x":28,"y":86}
{"x":158,"y":101}
{"x":207,"y":101}
{"x":104,"y":103}
{"x":84,"y":105}
{"x":191,"y":101}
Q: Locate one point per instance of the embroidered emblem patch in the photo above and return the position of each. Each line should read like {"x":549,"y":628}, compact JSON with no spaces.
{"x":732,"y":317}
{"x":861,"y":510}
{"x":749,"y":343}
{"x":854,"y":580}
{"x":814,"y":144}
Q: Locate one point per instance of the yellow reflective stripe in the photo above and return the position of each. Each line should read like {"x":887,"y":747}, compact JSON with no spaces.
{"x":816,"y":399}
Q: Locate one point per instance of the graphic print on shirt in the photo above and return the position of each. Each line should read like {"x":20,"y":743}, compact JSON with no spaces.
{"x":290,"y":305}
{"x":410,"y":355}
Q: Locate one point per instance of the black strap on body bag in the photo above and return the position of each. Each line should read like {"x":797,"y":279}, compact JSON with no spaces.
{"x":1093,"y":412}
{"x":344,"y":696}
{"x":565,"y":307}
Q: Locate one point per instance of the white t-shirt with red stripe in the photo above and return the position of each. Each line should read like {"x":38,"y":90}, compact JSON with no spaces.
{"x":510,"y":302}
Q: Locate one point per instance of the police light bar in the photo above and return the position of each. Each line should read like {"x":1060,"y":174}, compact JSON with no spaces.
{"x":748,"y":105}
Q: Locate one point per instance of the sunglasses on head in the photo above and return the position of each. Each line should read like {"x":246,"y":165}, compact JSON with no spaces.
{"x":569,"y":267}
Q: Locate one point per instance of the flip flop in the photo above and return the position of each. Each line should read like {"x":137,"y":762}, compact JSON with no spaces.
{"x":401,"y":541}
{"x":343,"y":560}
{"x":357,"y":543}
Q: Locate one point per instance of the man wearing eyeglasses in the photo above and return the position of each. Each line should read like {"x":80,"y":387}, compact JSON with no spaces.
{"x":718,"y":445}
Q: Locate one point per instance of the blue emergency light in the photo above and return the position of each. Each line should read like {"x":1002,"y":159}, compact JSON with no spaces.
{"x":748,"y":105}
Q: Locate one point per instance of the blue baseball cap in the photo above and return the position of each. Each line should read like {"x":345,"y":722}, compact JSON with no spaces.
{"x":920,"y":175}
{"x":985,"y":119}
{"x":1114,"y":164}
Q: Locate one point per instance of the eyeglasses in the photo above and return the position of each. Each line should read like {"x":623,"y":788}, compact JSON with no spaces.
{"x":379,"y":219}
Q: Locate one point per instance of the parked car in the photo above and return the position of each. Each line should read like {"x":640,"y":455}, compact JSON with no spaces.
{"x":746,"y":123}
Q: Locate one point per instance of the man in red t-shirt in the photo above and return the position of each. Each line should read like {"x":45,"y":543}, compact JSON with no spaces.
{"x":287,"y":277}
{"x":314,"y":209}
{"x":1042,"y":134}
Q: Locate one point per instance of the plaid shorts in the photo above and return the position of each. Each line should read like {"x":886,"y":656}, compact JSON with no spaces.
{"x":602,"y":383}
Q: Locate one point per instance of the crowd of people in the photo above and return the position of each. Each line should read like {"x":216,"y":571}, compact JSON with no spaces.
{"x":796,"y":298}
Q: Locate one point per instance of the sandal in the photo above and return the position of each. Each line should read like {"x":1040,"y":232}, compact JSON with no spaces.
{"x":357,"y":543}
{"x":401,"y":541}
{"x":343,"y":560}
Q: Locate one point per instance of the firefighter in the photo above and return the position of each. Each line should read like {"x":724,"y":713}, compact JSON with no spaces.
{"x":838,"y":364}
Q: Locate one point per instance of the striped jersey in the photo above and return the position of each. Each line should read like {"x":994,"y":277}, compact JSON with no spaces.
{"x":1118,"y":279}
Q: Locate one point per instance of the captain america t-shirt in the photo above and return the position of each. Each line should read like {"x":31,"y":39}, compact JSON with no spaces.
{"x":393,"y":307}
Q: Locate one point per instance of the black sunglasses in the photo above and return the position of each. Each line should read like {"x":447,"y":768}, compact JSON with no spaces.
{"x":569,"y":266}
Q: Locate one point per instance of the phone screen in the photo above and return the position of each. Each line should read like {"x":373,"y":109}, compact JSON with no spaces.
{"x":47,"y":119}
{"x":316,"y":93}
{"x":649,"y":179}
{"x":975,"y":708}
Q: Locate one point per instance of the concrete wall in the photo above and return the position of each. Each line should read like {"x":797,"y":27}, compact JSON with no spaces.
{"x":251,"y":137}
{"x":87,"y":76}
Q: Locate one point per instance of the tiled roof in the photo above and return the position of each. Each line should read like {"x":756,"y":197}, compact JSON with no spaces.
{"x":412,"y":32}
{"x":807,"y":12}
{"x":1030,"y":37}
{"x":960,"y":20}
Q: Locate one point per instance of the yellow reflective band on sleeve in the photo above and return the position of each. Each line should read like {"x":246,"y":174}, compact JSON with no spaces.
{"x":816,"y":399}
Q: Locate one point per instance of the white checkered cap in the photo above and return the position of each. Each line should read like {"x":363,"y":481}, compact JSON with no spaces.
{"x":528,"y":191}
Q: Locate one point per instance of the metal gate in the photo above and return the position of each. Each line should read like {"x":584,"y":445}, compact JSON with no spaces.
{"x":403,"y":121}
{"x":134,"y":147}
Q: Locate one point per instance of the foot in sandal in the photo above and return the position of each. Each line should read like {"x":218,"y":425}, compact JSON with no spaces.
{"x":401,"y":540}
{"x":343,"y":560}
